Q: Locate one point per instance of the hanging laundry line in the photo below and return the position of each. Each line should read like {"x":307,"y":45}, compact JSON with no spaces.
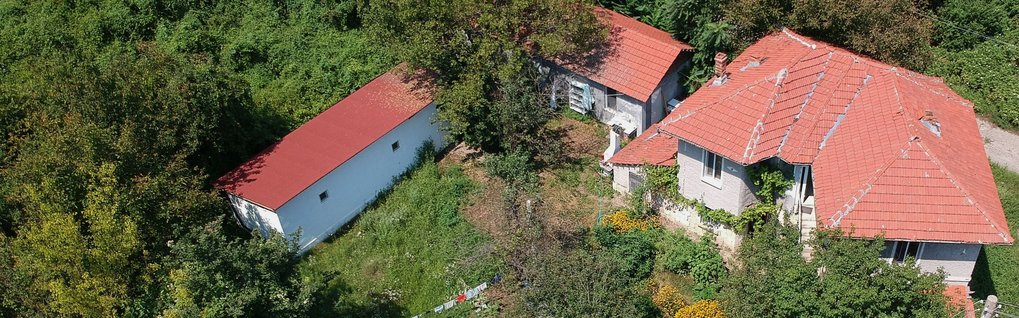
{"x":466,"y":295}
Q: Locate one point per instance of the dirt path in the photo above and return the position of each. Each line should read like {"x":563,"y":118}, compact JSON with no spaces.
{"x":1002,"y":146}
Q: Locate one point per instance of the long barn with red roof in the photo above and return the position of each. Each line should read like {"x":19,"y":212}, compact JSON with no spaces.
{"x":873,"y":149}
{"x":322,"y":174}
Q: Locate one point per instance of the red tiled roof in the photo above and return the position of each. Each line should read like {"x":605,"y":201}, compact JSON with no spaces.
{"x":638,"y":59}
{"x":958,"y":299}
{"x":877,"y":168}
{"x":308,"y":153}
{"x":651,"y":147}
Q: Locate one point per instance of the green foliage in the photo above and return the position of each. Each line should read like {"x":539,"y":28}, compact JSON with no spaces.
{"x":212,"y":275}
{"x":155,"y":97}
{"x":67,"y":268}
{"x":634,"y":249}
{"x":479,"y":54}
{"x":514,"y":168}
{"x":578,"y":282}
{"x":995,"y":268}
{"x":405,"y":253}
{"x":845,"y":278}
{"x":988,"y":75}
{"x":521,"y":117}
{"x":964,"y":24}
{"x":769,"y":181}
{"x":679,"y":254}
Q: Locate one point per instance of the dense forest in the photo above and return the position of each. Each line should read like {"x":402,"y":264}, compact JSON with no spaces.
{"x":116,"y":115}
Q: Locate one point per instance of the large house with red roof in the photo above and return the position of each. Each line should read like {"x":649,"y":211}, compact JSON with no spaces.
{"x":631,"y":84}
{"x":872,"y":149}
{"x":322,"y":174}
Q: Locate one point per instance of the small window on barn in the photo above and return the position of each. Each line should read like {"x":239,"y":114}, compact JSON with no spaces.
{"x":323,"y":196}
{"x":396,"y":145}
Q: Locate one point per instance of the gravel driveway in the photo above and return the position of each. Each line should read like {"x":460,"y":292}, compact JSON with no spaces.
{"x":1002,"y":146}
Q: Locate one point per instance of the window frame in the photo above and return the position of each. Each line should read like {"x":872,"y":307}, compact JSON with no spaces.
{"x":918,"y":252}
{"x":714,"y":178}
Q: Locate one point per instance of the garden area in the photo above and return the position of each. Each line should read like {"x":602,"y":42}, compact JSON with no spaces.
{"x":406,"y":254}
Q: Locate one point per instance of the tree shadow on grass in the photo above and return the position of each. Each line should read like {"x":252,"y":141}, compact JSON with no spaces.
{"x":334,"y":299}
{"x":982,"y":284}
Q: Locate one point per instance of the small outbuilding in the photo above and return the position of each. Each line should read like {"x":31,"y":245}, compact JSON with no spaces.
{"x":321,"y":175}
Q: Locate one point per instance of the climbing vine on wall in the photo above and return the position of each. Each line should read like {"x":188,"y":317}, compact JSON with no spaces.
{"x":662,"y":181}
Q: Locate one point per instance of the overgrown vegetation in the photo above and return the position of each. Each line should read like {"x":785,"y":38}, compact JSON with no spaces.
{"x":408,"y":253}
{"x":995,"y":267}
{"x":844,"y":278}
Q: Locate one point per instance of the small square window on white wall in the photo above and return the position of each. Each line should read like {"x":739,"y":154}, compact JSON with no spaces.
{"x":396,"y":145}
{"x":712,"y":171}
{"x":323,"y":196}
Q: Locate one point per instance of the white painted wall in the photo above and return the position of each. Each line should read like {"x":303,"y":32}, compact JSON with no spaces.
{"x":353,"y":185}
{"x":733,"y":194}
{"x":621,"y":180}
{"x":255,"y":217}
{"x":957,"y":260}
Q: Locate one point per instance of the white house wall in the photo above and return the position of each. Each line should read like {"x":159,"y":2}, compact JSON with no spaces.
{"x":358,"y":181}
{"x":957,"y":260}
{"x":733,"y":195}
{"x":621,"y":177}
{"x":255,"y":217}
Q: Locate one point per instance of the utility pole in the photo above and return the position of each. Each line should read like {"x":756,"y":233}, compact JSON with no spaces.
{"x":990,"y":305}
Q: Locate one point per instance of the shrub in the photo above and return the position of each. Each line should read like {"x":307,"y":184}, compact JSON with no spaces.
{"x":701,"y":309}
{"x":668,"y":299}
{"x":701,"y":260}
{"x":622,"y":222}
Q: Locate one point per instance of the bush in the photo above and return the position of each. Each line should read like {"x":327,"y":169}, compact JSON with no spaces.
{"x":701,"y":309}
{"x":700,"y":260}
{"x":621,"y":222}
{"x":515,"y":168}
{"x":668,"y":299}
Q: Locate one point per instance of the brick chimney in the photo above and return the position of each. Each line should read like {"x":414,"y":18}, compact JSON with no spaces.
{"x":721,"y":61}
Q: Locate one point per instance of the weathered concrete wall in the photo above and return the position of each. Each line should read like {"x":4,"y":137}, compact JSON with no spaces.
{"x":686,"y":217}
{"x":732,"y":194}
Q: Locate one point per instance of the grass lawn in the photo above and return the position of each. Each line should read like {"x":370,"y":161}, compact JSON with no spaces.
{"x":407,"y":254}
{"x":997,"y":269}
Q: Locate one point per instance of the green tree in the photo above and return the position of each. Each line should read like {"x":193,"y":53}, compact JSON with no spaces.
{"x":473,"y":49}
{"x":845,"y":278}
{"x":212,"y":275}
{"x":78,"y":268}
{"x":578,"y":282}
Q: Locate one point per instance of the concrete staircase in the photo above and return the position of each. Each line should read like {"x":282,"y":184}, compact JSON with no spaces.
{"x":808,"y":222}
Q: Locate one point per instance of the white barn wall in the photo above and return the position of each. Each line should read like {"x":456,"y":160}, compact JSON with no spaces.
{"x":255,"y":217}
{"x":358,"y":181}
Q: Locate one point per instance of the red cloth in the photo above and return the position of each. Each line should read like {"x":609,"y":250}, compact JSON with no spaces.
{"x":461,"y":298}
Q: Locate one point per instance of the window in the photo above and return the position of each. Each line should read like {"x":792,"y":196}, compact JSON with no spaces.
{"x":610,"y":95}
{"x":323,"y":196}
{"x":904,"y":250}
{"x":712,"y":167}
{"x":396,"y":145}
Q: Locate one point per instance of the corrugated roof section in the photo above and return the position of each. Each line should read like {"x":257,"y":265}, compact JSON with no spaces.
{"x":285,"y":169}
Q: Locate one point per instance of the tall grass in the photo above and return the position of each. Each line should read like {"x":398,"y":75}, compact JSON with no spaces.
{"x":408,"y":253}
{"x":997,"y":270}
